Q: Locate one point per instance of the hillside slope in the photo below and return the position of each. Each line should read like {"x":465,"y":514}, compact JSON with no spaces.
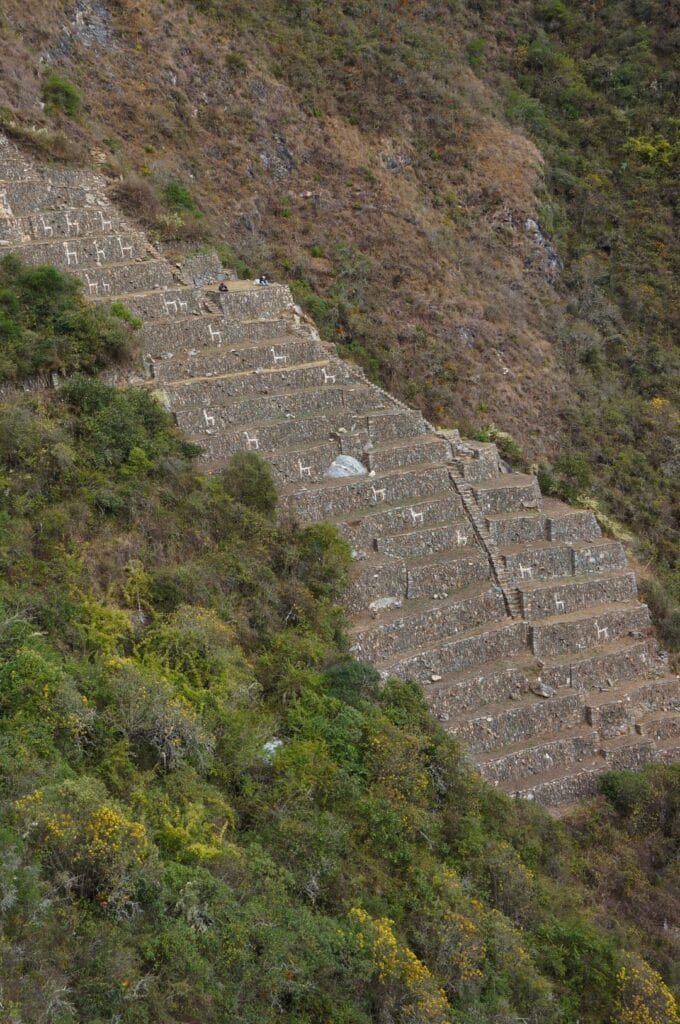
{"x":208,"y":811}
{"x":380,"y":156}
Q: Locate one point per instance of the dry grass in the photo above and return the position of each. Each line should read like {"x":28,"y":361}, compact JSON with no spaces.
{"x":164,"y":95}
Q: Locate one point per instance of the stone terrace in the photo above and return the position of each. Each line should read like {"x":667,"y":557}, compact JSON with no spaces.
{"x":520,"y":621}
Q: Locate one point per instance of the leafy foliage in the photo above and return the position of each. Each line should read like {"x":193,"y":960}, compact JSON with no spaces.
{"x":46,"y":325}
{"x":209,"y":811}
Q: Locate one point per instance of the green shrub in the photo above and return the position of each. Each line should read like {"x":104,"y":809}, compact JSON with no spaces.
{"x":228,"y":258}
{"x":121,"y":312}
{"x":248,"y":478}
{"x":475,"y":50}
{"x":47,"y":325}
{"x":178,"y":197}
{"x":60,"y":94}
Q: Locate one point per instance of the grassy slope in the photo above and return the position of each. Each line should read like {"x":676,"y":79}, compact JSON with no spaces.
{"x":207,"y":812}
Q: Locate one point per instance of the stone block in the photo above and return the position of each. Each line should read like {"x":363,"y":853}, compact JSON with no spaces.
{"x":75,"y":252}
{"x":598,"y":556}
{"x":476,"y":461}
{"x":627,"y":752}
{"x":427,"y":540}
{"x":582,"y":631}
{"x":542,"y":600}
{"x":508,"y":493}
{"x":573,"y":525}
{"x":490,"y":683}
{"x":422,"y":628}
{"x":395,"y":425}
{"x":203,"y":269}
{"x":449,"y":572}
{"x":567,"y":788}
{"x":495,"y":728}
{"x":517,"y":527}
{"x":539,"y":562}
{"x":109,"y":282}
{"x":245,"y":300}
{"x":370,"y":524}
{"x":491,"y":643}
{"x":180,"y":363}
{"x":602,"y":668}
{"x":661,"y":728}
{"x":157,"y":303}
{"x":555,"y":753}
{"x":228,"y":393}
{"x":336,"y":498}
{"x":77,"y":222}
{"x":307,"y":463}
{"x":418,"y":452}
{"x":371,"y":581}
{"x":25,"y":197}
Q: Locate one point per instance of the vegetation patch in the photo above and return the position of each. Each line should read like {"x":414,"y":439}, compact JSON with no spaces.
{"x":45,"y":324}
{"x":209,"y":810}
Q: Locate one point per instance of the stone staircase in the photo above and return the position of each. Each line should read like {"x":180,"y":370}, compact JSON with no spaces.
{"x":520,"y":621}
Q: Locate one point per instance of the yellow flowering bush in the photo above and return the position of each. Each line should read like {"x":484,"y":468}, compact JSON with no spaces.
{"x":643,"y":997}
{"x":78,"y":830}
{"x":408,"y":987}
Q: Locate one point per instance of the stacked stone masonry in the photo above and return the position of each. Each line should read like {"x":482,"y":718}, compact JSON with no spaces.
{"x":518,"y":618}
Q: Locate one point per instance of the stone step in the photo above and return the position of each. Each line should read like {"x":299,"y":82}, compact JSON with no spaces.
{"x":292,"y":430}
{"x":544,"y":559}
{"x":245,"y":300}
{"x":570,"y":525}
{"x":246,"y":398}
{"x":447,"y":571}
{"x":543,"y":598}
{"x":67,"y":223}
{"x":335,"y":498}
{"x":395,"y":424}
{"x":427,"y":540}
{"x":210,"y":337}
{"x":668,"y":753}
{"x":24,"y":198}
{"x":163,"y":301}
{"x":183,"y":362}
{"x":582,"y":630}
{"x":556,"y":522}
{"x":14,"y":168}
{"x":508,"y":492}
{"x":615,"y":711}
{"x":434,"y":578}
{"x":365,"y":525}
{"x":117,"y":280}
{"x":518,"y":763}
{"x":222,"y":413}
{"x":471,"y":690}
{"x":375,"y":580}
{"x":471,"y":650}
{"x":560,"y":787}
{"x":407,"y":452}
{"x":75,"y":253}
{"x":602,"y":666}
{"x":661,"y":728}
{"x":627,"y":752}
{"x":425,"y":622}
{"x":306,"y":463}
{"x":515,"y":722}
{"x":476,"y":461}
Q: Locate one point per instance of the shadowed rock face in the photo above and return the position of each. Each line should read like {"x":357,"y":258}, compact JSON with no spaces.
{"x":520,"y":621}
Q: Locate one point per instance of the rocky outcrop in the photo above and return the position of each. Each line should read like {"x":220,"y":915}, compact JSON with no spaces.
{"x":520,"y":621}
